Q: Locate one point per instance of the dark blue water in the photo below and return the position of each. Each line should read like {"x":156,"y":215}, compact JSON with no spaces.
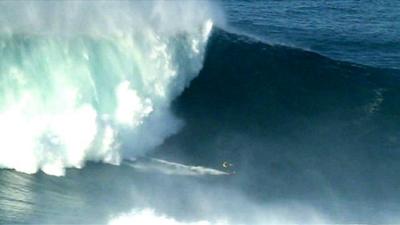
{"x":298,"y":126}
{"x":306,"y":107}
{"x":302,"y":97}
{"x":366,"y":32}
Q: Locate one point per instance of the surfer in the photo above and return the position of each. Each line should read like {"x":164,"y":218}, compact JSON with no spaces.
{"x":227,"y":166}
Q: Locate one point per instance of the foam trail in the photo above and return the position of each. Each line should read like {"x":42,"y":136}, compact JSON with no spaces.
{"x":81,"y":80}
{"x":171,"y":168}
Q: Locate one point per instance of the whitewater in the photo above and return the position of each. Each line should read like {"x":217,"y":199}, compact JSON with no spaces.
{"x":162,"y":112}
{"x":93,"y":80}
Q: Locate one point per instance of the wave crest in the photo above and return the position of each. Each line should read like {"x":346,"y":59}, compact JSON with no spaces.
{"x":97,"y":77}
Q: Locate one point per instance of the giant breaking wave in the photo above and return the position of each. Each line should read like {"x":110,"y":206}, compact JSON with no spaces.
{"x":81,"y":80}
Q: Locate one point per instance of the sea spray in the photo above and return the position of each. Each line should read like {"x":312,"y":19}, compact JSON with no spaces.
{"x":80,"y":80}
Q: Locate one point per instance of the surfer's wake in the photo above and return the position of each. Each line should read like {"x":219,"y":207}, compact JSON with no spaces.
{"x":171,"y":168}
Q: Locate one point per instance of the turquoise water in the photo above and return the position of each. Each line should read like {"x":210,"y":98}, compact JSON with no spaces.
{"x":300,"y":98}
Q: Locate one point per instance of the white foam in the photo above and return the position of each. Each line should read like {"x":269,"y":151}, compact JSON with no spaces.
{"x":148,"y":216}
{"x":172,"y":168}
{"x":81,"y":79}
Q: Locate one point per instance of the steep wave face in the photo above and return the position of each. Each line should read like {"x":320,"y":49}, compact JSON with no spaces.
{"x":296,"y":125}
{"x":78,"y":78}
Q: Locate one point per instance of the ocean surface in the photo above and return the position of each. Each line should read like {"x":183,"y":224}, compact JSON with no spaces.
{"x":196,"y":112}
{"x":365,"y":32}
